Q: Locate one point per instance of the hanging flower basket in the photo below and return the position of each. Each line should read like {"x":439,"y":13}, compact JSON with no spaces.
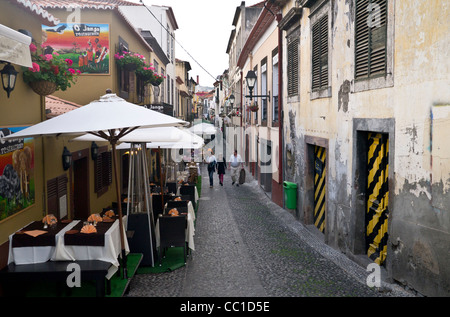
{"x":49,"y":72}
{"x":130,"y":67}
{"x":145,"y":74}
{"x":43,"y":87}
{"x":157,"y":79}
{"x":129,"y":61}
{"x":253,"y":108}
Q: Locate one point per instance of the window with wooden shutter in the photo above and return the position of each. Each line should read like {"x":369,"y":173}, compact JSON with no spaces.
{"x":264,"y":101}
{"x":102,"y":172}
{"x":123,"y":75}
{"x":370,"y":38}
{"x":293,"y":65}
{"x":320,"y":53}
{"x":56,"y":189}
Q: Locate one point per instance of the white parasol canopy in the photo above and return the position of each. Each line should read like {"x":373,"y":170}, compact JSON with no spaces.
{"x":110,"y":118}
{"x":157,"y":138}
{"x":110,"y":112}
{"x":143,"y":135}
{"x":203,"y":128}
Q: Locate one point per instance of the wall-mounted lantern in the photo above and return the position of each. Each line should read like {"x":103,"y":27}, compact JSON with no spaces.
{"x":94,"y":151}
{"x":9,"y":76}
{"x":66,"y":159}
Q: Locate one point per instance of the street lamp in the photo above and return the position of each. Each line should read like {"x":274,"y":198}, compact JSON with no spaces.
{"x":9,"y":76}
{"x":251,"y":81}
{"x":231,"y":100}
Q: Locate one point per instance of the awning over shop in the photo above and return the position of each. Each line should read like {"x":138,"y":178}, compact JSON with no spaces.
{"x":14,"y":47}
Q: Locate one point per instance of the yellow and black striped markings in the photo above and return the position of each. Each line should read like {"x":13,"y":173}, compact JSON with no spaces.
{"x":377,"y":192}
{"x":319,"y":187}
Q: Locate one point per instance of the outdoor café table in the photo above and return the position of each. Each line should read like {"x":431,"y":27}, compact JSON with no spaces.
{"x":26,"y":248}
{"x":103,"y":245}
{"x":190,"y":209}
{"x":190,"y":231}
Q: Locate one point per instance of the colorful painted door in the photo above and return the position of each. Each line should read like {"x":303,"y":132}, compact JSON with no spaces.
{"x":377,"y":211}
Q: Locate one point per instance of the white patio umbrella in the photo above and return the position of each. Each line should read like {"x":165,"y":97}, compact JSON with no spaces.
{"x":203,"y":129}
{"x":164,"y":138}
{"x":144,"y":135}
{"x":110,"y":118}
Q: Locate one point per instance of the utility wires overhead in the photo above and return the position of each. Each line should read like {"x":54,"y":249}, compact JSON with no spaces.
{"x":173,"y":37}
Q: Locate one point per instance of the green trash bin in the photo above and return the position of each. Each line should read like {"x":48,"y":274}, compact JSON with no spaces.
{"x":290,"y":195}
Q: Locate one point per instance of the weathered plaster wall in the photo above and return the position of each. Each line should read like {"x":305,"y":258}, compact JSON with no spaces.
{"x":412,"y":106}
{"x":420,"y":229}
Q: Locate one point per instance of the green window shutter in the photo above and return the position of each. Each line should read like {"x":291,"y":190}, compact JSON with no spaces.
{"x":370,"y":38}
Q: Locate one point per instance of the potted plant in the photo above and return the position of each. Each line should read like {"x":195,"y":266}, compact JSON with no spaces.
{"x":129,"y":61}
{"x":49,"y":73}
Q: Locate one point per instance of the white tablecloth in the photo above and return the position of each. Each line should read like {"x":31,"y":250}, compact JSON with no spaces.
{"x":108,"y":253}
{"x":61,"y":252}
{"x":30,"y":255}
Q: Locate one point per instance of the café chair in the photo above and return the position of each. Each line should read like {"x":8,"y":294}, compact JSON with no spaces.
{"x":172,"y":234}
{"x":158,"y":208}
{"x":177,"y":203}
{"x":116,"y":209}
{"x":191,"y":198}
{"x":187,"y":190}
{"x":172,"y":187}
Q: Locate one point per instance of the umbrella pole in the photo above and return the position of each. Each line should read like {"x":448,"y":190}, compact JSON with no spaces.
{"x":160,"y":178}
{"x":119,"y":208}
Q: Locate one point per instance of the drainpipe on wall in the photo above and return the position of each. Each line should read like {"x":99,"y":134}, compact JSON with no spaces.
{"x":280,"y":102}
{"x":44,"y":176}
{"x":242,"y":112}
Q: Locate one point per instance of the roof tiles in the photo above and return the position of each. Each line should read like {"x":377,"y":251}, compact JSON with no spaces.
{"x":90,"y":4}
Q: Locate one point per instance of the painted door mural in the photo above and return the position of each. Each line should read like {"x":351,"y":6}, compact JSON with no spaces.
{"x":17,"y":182}
{"x":377,"y":211}
{"x":319,"y":187}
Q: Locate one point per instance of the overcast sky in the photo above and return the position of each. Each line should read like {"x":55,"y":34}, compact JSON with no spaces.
{"x":204,"y":28}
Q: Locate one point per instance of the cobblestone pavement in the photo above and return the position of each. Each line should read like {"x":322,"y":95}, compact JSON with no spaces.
{"x":247,"y":246}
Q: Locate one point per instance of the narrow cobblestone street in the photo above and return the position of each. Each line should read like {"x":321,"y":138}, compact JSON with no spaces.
{"x":246,"y":246}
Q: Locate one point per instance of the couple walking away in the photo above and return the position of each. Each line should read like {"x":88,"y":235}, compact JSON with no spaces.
{"x":214,"y":165}
{"x":220,"y":166}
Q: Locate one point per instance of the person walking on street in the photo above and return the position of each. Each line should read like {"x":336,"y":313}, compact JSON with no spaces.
{"x":235,"y":161}
{"x":212,"y":162}
{"x":221,"y":166}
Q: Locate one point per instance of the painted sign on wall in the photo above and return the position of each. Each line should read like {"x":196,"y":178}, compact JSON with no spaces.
{"x":86,"y":44}
{"x":17,"y":183}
